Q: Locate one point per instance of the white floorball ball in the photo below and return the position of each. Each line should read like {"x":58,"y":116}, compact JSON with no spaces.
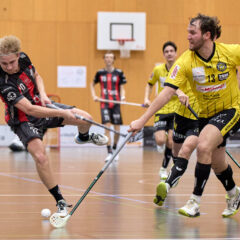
{"x":46,"y":212}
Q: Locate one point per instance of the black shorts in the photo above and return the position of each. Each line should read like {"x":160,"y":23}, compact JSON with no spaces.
{"x":227,"y":121}
{"x":183,"y":128}
{"x":163,"y":122}
{"x":27,"y":131}
{"x":112,"y":115}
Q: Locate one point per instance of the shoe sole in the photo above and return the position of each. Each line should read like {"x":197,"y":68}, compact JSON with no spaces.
{"x":184,"y":213}
{"x":227,"y":216}
{"x":161,"y":194}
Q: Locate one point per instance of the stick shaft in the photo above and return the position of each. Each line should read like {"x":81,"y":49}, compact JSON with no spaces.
{"x":101,"y":172}
{"x":90,"y":121}
{"x":122,"y":102}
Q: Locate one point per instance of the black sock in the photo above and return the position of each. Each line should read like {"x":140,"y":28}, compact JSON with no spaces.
{"x":109,"y":149}
{"x":226,"y":178}
{"x":174,"y":159}
{"x":55,"y":191}
{"x":83,"y":136}
{"x":202,"y":172}
{"x":177,"y":170}
{"x":167,"y":157}
{"x":114,"y":146}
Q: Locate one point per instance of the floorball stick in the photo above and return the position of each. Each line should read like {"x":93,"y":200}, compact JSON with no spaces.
{"x":227,"y":152}
{"x":58,"y":221}
{"x":121,"y":102}
{"x":88,"y":120}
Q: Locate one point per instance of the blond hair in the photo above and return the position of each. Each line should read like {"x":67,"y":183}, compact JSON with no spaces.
{"x":9,"y":45}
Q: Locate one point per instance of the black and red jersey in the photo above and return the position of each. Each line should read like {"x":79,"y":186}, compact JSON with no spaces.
{"x":13,"y":87}
{"x":110,"y":85}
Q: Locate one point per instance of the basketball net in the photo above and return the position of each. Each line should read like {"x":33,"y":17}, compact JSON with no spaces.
{"x":124,"y":50}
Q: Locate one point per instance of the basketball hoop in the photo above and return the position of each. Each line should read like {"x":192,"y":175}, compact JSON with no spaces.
{"x":124,"y":48}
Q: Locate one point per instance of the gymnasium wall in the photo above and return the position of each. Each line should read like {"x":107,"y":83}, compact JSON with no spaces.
{"x":64,"y":32}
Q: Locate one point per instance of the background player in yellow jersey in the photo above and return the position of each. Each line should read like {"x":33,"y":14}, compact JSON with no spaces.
{"x":210,"y":68}
{"x":163,"y":121}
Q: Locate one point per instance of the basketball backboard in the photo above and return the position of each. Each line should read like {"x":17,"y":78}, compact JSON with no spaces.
{"x":127,"y":26}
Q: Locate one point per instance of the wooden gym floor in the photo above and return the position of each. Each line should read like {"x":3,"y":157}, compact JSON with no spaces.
{"x":119,"y":205}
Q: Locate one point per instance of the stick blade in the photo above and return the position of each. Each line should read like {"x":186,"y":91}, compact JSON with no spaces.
{"x":57,"y":221}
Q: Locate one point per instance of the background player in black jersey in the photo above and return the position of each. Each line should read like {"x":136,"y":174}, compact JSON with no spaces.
{"x":111,"y":82}
{"x":22,"y":90}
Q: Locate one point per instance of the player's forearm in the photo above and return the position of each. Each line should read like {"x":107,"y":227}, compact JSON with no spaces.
{"x":93,"y":90}
{"x":148,"y":91}
{"x":40,"y":85}
{"x":37,"y":111}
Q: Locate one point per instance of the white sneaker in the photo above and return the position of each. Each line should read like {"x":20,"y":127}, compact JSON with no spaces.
{"x":16,"y":145}
{"x":109,"y":156}
{"x":163,"y":173}
{"x":191,"y":209}
{"x":95,"y":138}
{"x":233,"y":204}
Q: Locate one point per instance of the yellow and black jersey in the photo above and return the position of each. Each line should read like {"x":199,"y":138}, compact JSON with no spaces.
{"x":159,"y":76}
{"x":182,"y":110}
{"x":213,"y":81}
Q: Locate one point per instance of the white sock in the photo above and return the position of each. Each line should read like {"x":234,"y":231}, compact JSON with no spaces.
{"x":232,"y":192}
{"x":196,"y":198}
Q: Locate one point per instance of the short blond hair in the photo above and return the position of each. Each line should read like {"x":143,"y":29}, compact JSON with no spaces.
{"x":9,"y":45}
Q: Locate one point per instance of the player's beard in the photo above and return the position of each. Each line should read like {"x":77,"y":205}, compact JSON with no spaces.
{"x":197,"y":45}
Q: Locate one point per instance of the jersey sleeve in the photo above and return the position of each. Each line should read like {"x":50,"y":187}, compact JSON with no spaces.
{"x":10,"y":94}
{"x":122,"y":78}
{"x":235,"y":53}
{"x":177,"y":77}
{"x":96,"y":78}
{"x":153,"y":77}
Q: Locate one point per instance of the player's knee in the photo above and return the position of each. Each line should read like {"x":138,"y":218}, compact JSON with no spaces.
{"x":204,"y":148}
{"x":160,"y":141}
{"x":40,"y":158}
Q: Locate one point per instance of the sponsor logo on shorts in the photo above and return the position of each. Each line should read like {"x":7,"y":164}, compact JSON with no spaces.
{"x":160,"y":124}
{"x":211,"y":88}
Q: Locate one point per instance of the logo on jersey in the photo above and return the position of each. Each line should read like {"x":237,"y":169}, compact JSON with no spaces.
{"x":174,"y":72}
{"x":223,"y":76}
{"x":199,"y":74}
{"x":221,"y":66}
{"x":22,"y":86}
{"x":11,"y":96}
{"x":211,"y":88}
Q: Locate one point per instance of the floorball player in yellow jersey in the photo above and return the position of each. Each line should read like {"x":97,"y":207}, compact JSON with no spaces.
{"x":210,"y":68}
{"x":163,"y":120}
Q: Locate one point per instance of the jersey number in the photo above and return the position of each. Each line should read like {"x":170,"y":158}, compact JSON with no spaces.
{"x":211,"y":78}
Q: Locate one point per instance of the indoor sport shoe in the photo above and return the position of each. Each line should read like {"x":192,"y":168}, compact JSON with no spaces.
{"x":63,"y":208}
{"x":163,"y":173}
{"x":95,"y":138}
{"x":109,"y":156}
{"x":233,"y":204}
{"x":191,"y":209}
{"x":161,"y":193}
{"x":16,"y":145}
